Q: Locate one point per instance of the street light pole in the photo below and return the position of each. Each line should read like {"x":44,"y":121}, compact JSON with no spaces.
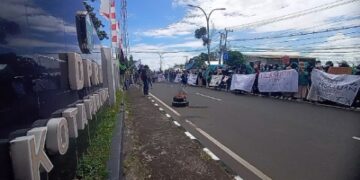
{"x":207,"y":25}
{"x":161,"y":56}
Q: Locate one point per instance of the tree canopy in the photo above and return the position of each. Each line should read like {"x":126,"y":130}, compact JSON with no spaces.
{"x":96,"y":22}
{"x":201,"y":33}
{"x":235,"y":59}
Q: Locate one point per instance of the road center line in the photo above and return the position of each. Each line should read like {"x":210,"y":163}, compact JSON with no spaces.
{"x":171,"y":109}
{"x":242,"y":161}
{"x":203,"y":95}
{"x":356,"y":138}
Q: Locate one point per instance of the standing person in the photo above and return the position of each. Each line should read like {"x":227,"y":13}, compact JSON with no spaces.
{"x":303,"y":81}
{"x":145,"y":78}
{"x":150,"y":78}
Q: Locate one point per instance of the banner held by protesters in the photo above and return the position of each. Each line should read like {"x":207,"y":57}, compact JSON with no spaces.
{"x":279,"y":81}
{"x":161,"y":78}
{"x":177,"y":78}
{"x":192,"y":79}
{"x":215,"y":80}
{"x":337,"y":88}
{"x":242,"y":82}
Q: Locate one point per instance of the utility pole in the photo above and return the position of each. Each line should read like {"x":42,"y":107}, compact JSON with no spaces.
{"x":161,"y":56}
{"x":226,"y":35}
{"x":223,"y":48}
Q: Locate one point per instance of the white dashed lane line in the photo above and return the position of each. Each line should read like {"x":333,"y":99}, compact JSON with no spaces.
{"x":356,"y":138}
{"x":240,"y":160}
{"x":190,"y":135}
{"x":171,"y":109}
{"x":212,"y":155}
{"x":176,"y":123}
{"x":168,"y":115}
{"x":213,"y":98}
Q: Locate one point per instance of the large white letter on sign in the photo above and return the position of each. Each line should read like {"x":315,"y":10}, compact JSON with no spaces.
{"x":87,"y":72}
{"x":27,"y":155}
{"x":94,"y":107}
{"x":70,"y":115}
{"x":100,"y":75}
{"x":57,"y":140}
{"x":97,"y":97}
{"x":95,"y":72}
{"x":88,"y":107}
{"x":76,"y":74}
{"x":81,"y":116}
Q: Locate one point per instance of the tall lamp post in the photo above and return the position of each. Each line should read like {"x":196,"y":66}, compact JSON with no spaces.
{"x":207,"y":16}
{"x":161,"y":56}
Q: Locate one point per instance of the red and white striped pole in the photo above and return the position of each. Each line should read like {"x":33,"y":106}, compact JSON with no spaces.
{"x":114,"y":33}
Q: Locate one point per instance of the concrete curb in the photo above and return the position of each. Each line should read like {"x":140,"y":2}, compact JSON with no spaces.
{"x":114,"y":164}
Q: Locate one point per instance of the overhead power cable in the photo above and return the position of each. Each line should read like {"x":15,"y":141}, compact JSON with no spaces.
{"x":295,"y":15}
{"x":300,"y":34}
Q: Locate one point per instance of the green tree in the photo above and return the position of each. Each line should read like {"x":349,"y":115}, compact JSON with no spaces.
{"x":96,"y":22}
{"x":199,"y":61}
{"x":201,"y":33}
{"x":235,"y":58}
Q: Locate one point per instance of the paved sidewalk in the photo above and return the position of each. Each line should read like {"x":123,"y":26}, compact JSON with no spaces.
{"x":155,"y":148}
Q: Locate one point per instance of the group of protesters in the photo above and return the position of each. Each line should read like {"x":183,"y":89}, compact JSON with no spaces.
{"x":304,"y":70}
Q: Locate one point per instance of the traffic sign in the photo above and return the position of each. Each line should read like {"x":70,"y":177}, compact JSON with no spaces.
{"x":226,"y":56}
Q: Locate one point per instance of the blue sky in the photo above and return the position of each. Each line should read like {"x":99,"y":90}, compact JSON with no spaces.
{"x":168,"y":25}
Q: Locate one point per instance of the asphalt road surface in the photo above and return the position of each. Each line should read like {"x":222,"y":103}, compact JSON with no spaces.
{"x":265,"y":138}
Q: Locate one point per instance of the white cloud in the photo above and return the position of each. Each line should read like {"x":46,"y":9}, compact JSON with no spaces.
{"x":244,"y":12}
{"x":152,"y":58}
{"x":339,"y":40}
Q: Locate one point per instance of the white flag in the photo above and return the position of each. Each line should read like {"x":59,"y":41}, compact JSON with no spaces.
{"x":105,"y":8}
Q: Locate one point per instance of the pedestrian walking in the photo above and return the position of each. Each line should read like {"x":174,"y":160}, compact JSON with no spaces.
{"x":145,"y":74}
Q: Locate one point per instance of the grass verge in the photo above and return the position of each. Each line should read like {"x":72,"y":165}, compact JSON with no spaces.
{"x":92,"y":164}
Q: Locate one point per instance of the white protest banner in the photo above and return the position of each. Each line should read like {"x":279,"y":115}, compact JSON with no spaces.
{"x":161,"y":77}
{"x":242,"y":82}
{"x":177,"y":78}
{"x":192,"y":79}
{"x":279,"y":81}
{"x":215,"y":80}
{"x":225,"y":78}
{"x":337,"y":88}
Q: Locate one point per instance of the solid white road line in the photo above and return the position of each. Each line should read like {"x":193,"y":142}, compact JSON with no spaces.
{"x":176,"y":123}
{"x":203,"y":95}
{"x":356,"y":138}
{"x":190,"y":135}
{"x":242,"y":161}
{"x":168,"y":115}
{"x":171,"y":109}
{"x":212,"y":155}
